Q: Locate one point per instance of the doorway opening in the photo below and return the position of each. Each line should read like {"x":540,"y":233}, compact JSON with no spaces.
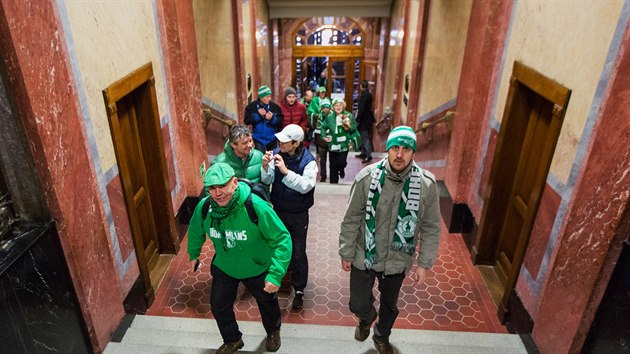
{"x":527,"y":139}
{"x":328,"y":52}
{"x":136,"y":132}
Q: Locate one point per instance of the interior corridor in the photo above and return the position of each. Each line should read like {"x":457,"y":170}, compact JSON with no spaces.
{"x":453,"y":298}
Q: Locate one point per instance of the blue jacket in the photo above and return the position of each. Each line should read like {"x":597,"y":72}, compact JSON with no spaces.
{"x":263,"y":130}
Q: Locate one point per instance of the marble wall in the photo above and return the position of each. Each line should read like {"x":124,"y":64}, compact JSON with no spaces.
{"x":574,"y":239}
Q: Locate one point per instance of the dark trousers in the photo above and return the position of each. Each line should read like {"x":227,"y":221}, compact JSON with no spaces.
{"x":323,"y":157}
{"x":338,"y":162}
{"x":223,"y":295}
{"x":297,"y":224}
{"x":264,"y":148}
{"x":362,"y":299}
{"x":366,"y":148}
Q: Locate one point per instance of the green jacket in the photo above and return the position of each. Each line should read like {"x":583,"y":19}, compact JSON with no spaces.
{"x":341,"y":137}
{"x":245,"y":249}
{"x":389,"y":261}
{"x":248,"y":168}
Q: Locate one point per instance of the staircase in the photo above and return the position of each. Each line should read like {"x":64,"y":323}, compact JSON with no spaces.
{"x":173,"y":335}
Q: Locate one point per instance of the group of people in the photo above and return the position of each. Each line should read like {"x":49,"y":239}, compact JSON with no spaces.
{"x":393,"y":206}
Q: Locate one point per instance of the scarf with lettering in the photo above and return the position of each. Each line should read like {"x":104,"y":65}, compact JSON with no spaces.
{"x":407,"y":212}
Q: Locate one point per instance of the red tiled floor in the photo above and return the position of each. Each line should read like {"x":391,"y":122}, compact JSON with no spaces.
{"x":452,"y":298}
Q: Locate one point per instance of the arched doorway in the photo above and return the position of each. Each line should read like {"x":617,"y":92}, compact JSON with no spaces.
{"x":329,"y":52}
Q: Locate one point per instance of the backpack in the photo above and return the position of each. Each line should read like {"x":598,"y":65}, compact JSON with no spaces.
{"x":257,"y":188}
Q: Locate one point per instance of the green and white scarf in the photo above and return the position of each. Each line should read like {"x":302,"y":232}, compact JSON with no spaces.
{"x":407,"y":212}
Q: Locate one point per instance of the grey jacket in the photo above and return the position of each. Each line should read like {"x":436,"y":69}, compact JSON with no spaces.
{"x":389,"y":261}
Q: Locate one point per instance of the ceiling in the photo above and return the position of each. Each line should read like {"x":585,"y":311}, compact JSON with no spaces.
{"x":323,"y":8}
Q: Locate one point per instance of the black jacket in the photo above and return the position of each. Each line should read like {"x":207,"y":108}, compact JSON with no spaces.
{"x":365,"y":117}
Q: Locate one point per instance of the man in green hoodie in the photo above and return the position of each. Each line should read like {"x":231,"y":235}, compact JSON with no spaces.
{"x":240,"y":154}
{"x":254,"y":253}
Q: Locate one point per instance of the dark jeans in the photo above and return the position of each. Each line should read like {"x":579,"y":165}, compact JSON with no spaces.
{"x":338,"y":162}
{"x":366,"y":148}
{"x":297,"y":224}
{"x":362,"y":299}
{"x":223,"y":295}
{"x":264,"y":148}
{"x":323,"y":157}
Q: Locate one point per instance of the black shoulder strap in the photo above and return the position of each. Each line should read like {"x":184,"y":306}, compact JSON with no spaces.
{"x":204,"y":208}
{"x":251,"y":212}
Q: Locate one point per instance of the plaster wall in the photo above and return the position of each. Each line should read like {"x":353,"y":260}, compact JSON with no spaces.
{"x":246,"y":35}
{"x":108,"y":47}
{"x":215,"y":48}
{"x":263,"y":46}
{"x":567,"y":42}
{"x":444,"y":53}
{"x":394,"y":50}
{"x":409,"y":73}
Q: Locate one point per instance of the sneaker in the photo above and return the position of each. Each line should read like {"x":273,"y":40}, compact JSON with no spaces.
{"x":362,"y":331}
{"x":230,"y":347}
{"x":359,"y":156}
{"x":273,"y":341}
{"x":342,"y":173}
{"x":298,"y":301}
{"x":367,"y":159}
{"x":382,"y":345}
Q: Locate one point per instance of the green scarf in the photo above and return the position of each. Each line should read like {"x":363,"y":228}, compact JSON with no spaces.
{"x":407,"y":212}
{"x":218,"y":213}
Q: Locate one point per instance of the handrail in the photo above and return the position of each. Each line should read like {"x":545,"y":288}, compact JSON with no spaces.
{"x":447,"y":119}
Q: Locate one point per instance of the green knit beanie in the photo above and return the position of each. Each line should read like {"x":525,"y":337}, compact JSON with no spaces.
{"x":324,"y":103}
{"x":402,"y":136}
{"x":264,"y":91}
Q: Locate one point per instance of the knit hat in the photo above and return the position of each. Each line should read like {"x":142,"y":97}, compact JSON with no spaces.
{"x":264,"y":91}
{"x":289,"y":91}
{"x":291,"y":132}
{"x":402,"y":136}
{"x":218,"y":174}
{"x":321,"y":89}
{"x":325,"y":102}
{"x":339,"y":100}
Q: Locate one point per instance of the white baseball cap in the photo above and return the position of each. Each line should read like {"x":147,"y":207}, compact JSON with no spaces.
{"x":291,"y":132}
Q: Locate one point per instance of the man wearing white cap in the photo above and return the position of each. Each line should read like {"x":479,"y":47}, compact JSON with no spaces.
{"x":291,"y":171}
{"x":393,"y":206}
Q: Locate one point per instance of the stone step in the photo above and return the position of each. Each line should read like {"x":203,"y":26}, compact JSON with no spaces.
{"x":158,"y":334}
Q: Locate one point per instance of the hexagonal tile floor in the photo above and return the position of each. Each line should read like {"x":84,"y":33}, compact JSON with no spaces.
{"x":452,"y":298}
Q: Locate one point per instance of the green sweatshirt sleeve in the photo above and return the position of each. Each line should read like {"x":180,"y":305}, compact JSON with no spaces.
{"x":196,"y":232}
{"x":279,"y":239}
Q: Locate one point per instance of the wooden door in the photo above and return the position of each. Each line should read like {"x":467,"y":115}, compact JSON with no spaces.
{"x":529,"y":132}
{"x":134,"y":176}
{"x":522,"y":201}
{"x":137,"y":136}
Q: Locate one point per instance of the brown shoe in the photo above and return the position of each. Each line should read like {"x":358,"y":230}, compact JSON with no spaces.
{"x":382,"y":345}
{"x":230,"y":347}
{"x":362,"y":331}
{"x":273,"y":341}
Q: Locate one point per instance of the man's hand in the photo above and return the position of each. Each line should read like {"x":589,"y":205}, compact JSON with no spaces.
{"x":268,"y":115}
{"x":418,"y":276}
{"x":195,"y":264}
{"x":346,"y":265}
{"x":279,"y":163}
{"x":270,"y":288}
{"x":267,"y":157}
{"x":262,"y":112}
